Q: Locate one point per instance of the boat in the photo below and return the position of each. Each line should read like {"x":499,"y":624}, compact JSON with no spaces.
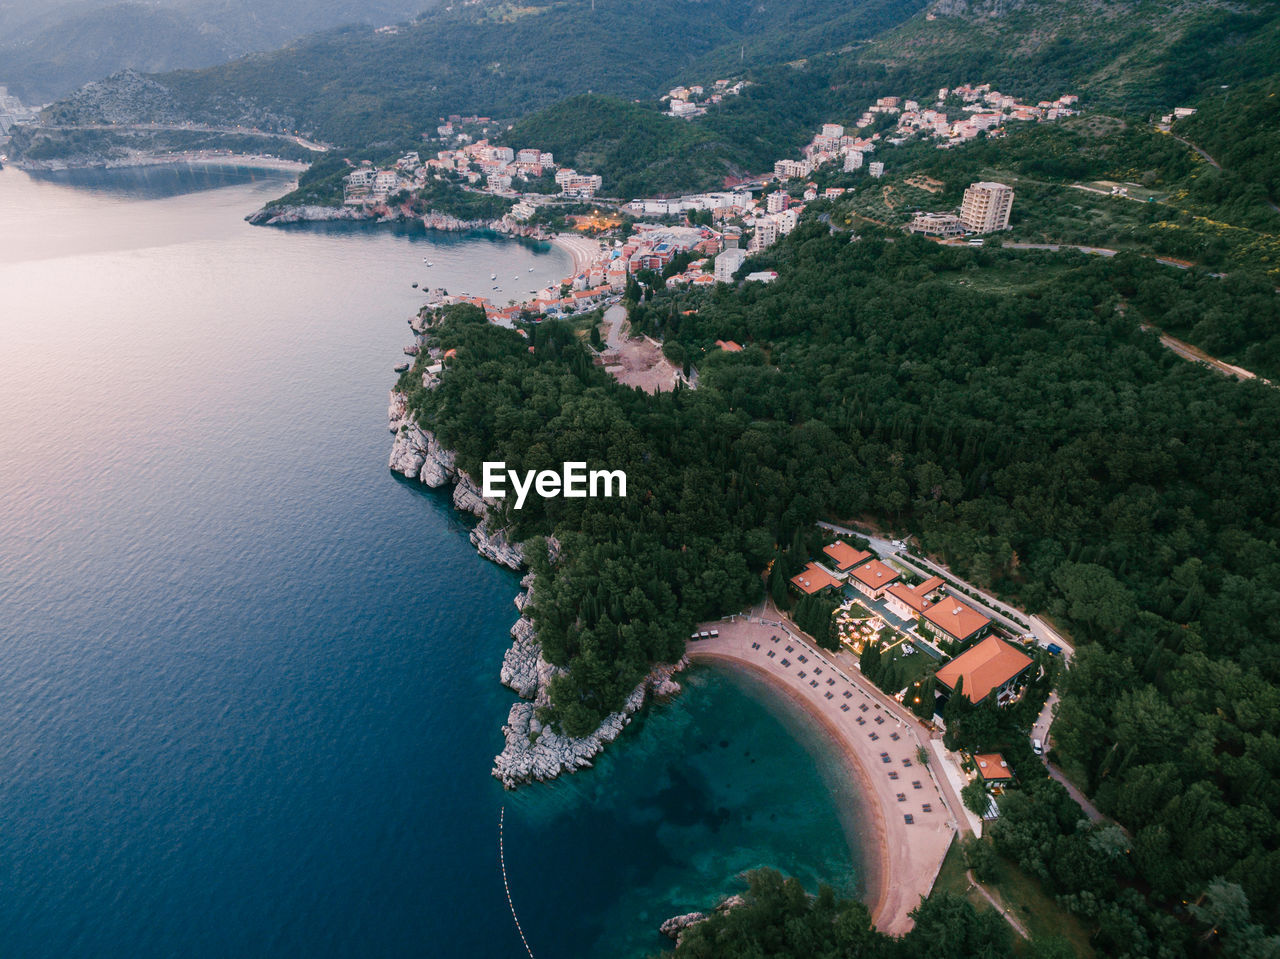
{"x":530,"y":269}
{"x":415,"y":284}
{"x":429,"y":263}
{"x":493,"y":276}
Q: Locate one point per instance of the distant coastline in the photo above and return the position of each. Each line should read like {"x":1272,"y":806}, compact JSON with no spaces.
{"x":194,"y":158}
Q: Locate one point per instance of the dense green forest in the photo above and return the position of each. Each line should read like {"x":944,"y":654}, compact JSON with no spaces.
{"x":36,"y":143}
{"x":1135,"y":57}
{"x":1007,"y":409}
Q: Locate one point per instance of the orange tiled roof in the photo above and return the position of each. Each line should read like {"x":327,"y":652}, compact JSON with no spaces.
{"x":989,"y":665}
{"x":955,"y":618}
{"x":874,"y":574}
{"x":813,"y":578}
{"x":992,"y":766}
{"x":915,"y":596}
{"x":845,"y":556}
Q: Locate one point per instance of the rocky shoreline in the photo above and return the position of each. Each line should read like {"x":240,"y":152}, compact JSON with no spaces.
{"x":532,"y":752}
{"x":674,"y":928}
{"x":140,"y":159}
{"x":272,"y":215}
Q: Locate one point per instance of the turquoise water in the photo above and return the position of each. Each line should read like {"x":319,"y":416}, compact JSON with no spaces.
{"x":248,"y":694}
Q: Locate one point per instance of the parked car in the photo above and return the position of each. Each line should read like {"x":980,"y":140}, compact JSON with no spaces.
{"x":1037,"y":747}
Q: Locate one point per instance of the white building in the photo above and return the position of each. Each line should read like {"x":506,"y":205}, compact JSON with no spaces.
{"x":766,"y":234}
{"x":986,"y":207}
{"x":852,"y":161}
{"x":833,"y":130}
{"x":727,"y":264}
{"x":385,"y":182}
{"x":876,"y":169}
{"x":776,"y":202}
{"x":792,"y":169}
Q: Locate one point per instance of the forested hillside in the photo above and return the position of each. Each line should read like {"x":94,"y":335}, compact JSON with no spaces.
{"x":1005,"y":407}
{"x":1135,"y":56}
{"x":354,"y":86}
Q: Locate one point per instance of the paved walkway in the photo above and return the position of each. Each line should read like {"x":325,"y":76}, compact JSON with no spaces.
{"x":881,"y":742}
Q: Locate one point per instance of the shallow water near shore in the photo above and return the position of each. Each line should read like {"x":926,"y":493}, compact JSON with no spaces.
{"x":248,"y":682}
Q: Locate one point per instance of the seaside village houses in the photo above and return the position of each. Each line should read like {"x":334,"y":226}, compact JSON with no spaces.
{"x":924,"y":614}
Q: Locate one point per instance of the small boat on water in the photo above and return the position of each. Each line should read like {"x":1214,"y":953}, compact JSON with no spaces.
{"x":401,"y":367}
{"x":415,"y":284}
{"x":493,"y":276}
{"x":530,"y":269}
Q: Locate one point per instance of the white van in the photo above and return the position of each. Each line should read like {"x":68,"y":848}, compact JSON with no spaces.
{"x":1037,"y":747}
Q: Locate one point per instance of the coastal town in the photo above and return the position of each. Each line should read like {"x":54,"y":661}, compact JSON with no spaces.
{"x":692,"y":240}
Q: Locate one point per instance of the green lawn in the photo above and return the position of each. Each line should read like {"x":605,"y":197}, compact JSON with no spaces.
{"x":1021,"y":894}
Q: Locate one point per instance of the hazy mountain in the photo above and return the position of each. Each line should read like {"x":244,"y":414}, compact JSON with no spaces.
{"x":355,"y":86}
{"x":49,"y":50}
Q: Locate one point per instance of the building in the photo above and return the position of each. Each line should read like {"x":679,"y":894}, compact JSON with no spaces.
{"x":765,"y":235}
{"x":872,"y":579}
{"x":936,"y":224}
{"x":357,"y":185}
{"x":792,"y":169}
{"x":952,"y":620}
{"x":908,"y":602}
{"x":727,"y":264}
{"x":833,"y":130}
{"x":845,"y":557}
{"x":994,"y":771}
{"x":852,"y":161}
{"x":991,"y":666}
{"x":813,"y":579}
{"x":876,"y":169}
{"x":573,"y":183}
{"x":763,"y":276}
{"x":777,"y":202}
{"x":986,"y":207}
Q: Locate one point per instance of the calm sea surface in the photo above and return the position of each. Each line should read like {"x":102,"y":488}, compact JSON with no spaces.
{"x":248,"y":679}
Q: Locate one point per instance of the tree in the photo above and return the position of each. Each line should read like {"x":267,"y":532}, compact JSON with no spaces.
{"x":975,"y":797}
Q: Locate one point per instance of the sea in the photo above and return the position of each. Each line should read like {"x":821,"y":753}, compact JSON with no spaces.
{"x":249,"y":695}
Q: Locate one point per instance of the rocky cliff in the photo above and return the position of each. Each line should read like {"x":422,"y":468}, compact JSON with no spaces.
{"x":533,"y":752}
{"x":416,"y":454}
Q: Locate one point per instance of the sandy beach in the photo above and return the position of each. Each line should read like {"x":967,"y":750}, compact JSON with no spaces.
{"x":582,"y":249}
{"x":880,"y":745}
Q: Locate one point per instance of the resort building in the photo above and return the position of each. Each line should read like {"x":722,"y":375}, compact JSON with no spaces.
{"x":992,"y":665}
{"x":845,"y":557}
{"x":908,"y":602}
{"x":814,"y":578}
{"x":986,"y":207}
{"x":872,"y":579}
{"x":993,"y":769}
{"x":951,"y":619}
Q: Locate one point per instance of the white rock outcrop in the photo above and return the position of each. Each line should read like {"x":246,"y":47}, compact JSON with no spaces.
{"x":674,"y":927}
{"x":535,"y":753}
